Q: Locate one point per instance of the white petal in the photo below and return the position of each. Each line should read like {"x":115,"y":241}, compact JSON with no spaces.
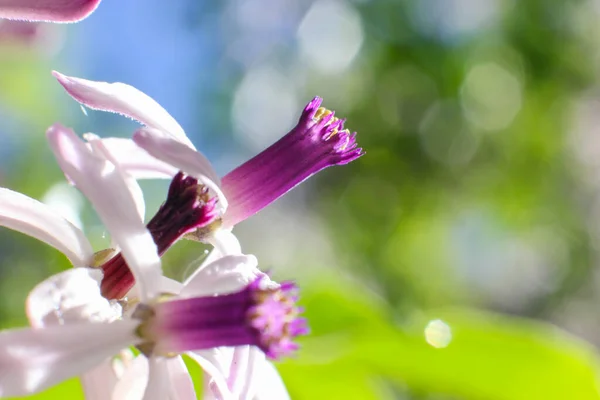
{"x":165,"y":285}
{"x":36,"y":219}
{"x":181,"y":157}
{"x":136,"y":161}
{"x":225,"y":275}
{"x":34,"y":359}
{"x":99,"y":383}
{"x":212,"y":256}
{"x":70,"y":296}
{"x":226,"y":242}
{"x":268,"y":383}
{"x":123,"y":99}
{"x":240,"y":371}
{"x":132,"y":383}
{"x":158,"y":379}
{"x":182,"y":387}
{"x":105,"y":188}
{"x":218,"y":385}
{"x":133,"y":187}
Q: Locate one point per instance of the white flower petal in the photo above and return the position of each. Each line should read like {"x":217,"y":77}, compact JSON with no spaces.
{"x":181,"y":157}
{"x":182,"y":387}
{"x":225,"y":275}
{"x":217,"y":386}
{"x":123,"y":99}
{"x":105,"y":188}
{"x":226,"y":242}
{"x":135,"y":161}
{"x":99,"y":383}
{"x":240,"y":371}
{"x":132,"y":383}
{"x":97,"y":146}
{"x":158,"y":379}
{"x":34,"y":359}
{"x":268,"y":383}
{"x":36,"y":219}
{"x":70,"y":296}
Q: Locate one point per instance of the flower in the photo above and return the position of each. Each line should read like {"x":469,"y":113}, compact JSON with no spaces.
{"x":106,"y":187}
{"x":318,"y":141}
{"x":219,"y":293}
{"x":47,"y":10}
{"x":262,"y":313}
{"x":74,"y":296}
{"x":58,"y":348}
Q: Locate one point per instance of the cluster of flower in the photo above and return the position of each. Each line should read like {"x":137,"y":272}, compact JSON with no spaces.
{"x":228,"y":315}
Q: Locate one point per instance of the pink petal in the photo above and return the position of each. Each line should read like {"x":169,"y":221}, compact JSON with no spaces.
{"x":47,"y":10}
{"x":135,"y":161}
{"x":181,"y":157}
{"x":105,"y":188}
{"x":34,"y":359}
{"x":123,"y":99}
{"x":35,"y":219}
{"x":69,"y":297}
{"x":225,"y":275}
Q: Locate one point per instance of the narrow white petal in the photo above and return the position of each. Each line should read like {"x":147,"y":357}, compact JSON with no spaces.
{"x":225,"y":275}
{"x":99,"y":382}
{"x":136,"y":161}
{"x":158,"y":379}
{"x":240,"y":370}
{"x":123,"y":99}
{"x":214,"y":255}
{"x":132,"y":383}
{"x":182,"y":387}
{"x":36,"y":219}
{"x":105,"y":188}
{"x":182,"y":157}
{"x":268,"y":384}
{"x":218,"y":386}
{"x":226,"y":242}
{"x":70,"y":296}
{"x":133,"y":187}
{"x":34,"y":359}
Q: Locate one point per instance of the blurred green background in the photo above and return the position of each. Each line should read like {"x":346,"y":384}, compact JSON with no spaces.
{"x":456,"y":260}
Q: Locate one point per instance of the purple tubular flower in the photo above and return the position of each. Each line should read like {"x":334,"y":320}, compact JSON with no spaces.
{"x":266,"y":318}
{"x":187,"y":208}
{"x":318,"y":141}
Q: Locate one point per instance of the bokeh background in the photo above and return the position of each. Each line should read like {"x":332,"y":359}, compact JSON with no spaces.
{"x":458,"y":259}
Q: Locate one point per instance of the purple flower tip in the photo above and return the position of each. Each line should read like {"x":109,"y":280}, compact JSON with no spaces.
{"x":318,"y":141}
{"x":275,"y":316}
{"x":264,"y":317}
